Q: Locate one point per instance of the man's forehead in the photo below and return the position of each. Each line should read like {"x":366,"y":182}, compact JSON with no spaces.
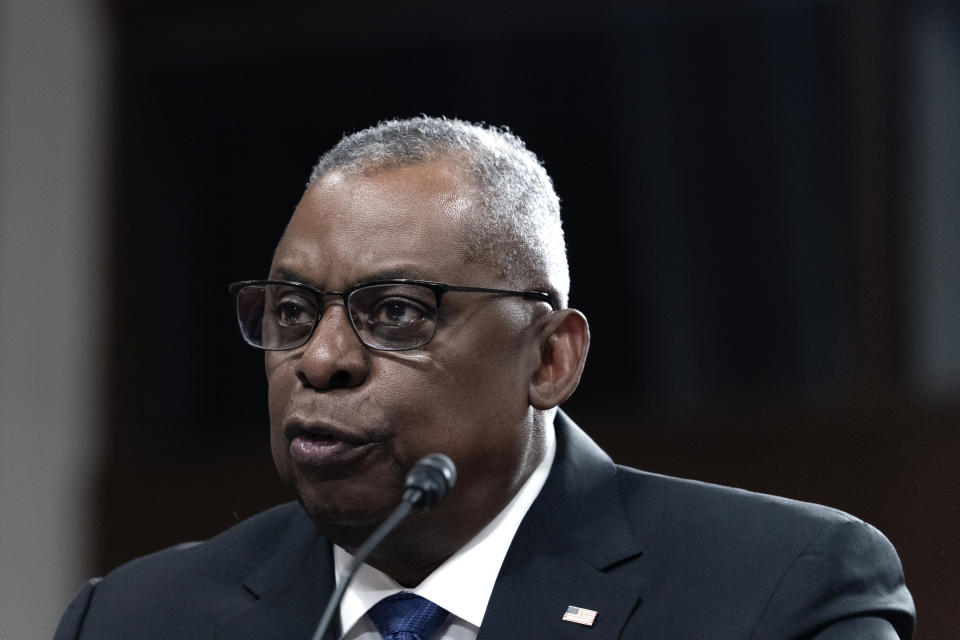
{"x":436,"y":192}
{"x":410,"y":222}
{"x":441,"y":174}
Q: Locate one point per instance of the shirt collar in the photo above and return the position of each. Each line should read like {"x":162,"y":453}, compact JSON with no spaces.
{"x":480,"y":559}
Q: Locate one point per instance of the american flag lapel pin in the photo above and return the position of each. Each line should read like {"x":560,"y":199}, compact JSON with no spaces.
{"x":580,"y":615}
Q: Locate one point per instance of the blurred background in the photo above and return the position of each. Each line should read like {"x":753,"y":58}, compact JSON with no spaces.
{"x":760,"y":202}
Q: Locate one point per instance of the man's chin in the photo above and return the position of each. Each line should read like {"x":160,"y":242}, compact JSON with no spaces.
{"x":347,"y":530}
{"x":341,"y":519}
{"x":349,"y":496}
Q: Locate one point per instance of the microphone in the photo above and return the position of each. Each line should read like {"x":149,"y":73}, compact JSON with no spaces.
{"x":429,"y":480}
{"x":427,"y":483}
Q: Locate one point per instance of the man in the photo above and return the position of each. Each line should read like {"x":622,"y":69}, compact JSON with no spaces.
{"x":417,"y":303}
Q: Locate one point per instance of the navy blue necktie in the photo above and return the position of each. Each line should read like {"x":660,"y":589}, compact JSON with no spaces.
{"x":405,"y":616}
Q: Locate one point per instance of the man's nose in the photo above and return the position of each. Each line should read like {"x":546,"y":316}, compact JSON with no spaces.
{"x":335,"y":357}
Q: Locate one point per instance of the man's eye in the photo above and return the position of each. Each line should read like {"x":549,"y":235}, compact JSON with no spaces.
{"x":290,"y":313}
{"x":396,"y":312}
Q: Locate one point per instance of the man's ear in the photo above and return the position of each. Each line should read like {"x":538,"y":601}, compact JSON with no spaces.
{"x":563,"y":340}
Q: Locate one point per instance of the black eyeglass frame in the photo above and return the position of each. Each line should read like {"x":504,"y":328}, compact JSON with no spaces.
{"x":438,"y":288}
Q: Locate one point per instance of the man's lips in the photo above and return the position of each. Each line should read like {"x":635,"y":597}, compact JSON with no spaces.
{"x":323,"y":430}
{"x":317,"y":444}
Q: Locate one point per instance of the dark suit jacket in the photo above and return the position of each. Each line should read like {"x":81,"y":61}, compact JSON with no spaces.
{"x":656,"y":557}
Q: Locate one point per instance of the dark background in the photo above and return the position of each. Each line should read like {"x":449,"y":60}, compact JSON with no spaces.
{"x":734,"y":180}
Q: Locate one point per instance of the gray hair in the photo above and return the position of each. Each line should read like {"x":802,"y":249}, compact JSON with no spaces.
{"x":520,"y":232}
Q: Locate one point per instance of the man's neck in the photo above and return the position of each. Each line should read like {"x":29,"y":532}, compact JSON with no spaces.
{"x":480,"y":559}
{"x":426,"y":539}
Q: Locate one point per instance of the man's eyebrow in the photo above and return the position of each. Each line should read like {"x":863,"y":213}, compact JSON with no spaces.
{"x":394,"y":273}
{"x":282,"y":273}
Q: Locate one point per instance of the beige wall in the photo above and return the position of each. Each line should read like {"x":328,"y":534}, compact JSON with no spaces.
{"x":52,"y":98}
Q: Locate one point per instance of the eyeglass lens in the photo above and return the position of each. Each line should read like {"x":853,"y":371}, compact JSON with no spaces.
{"x":385,"y":316}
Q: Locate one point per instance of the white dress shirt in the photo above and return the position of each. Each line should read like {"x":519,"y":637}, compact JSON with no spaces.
{"x":462,"y":584}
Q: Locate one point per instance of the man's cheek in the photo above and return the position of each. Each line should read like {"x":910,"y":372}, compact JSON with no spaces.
{"x":280,"y":381}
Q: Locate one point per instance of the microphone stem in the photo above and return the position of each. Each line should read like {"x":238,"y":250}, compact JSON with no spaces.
{"x":359,"y":557}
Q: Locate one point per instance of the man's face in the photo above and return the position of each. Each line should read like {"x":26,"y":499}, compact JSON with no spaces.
{"x":347,"y":422}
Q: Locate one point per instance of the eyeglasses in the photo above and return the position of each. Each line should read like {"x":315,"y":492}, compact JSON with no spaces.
{"x":388,"y":315}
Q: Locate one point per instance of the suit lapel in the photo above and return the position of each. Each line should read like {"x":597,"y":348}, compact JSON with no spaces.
{"x":288,"y":591}
{"x":574,"y":531}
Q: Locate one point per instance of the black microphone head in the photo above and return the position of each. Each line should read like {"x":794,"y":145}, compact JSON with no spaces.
{"x":429,"y":480}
